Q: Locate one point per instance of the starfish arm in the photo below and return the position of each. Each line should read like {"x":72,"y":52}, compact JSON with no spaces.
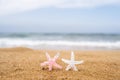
{"x":66,"y":61}
{"x":50,"y":67}
{"x":48,"y":56}
{"x":72,"y":56}
{"x":78,"y":62}
{"x":56,"y":56}
{"x":44,"y":63}
{"x":74,"y":68}
{"x":57,"y":65}
{"x":68,"y":67}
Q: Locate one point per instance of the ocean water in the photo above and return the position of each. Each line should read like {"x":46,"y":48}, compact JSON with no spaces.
{"x":60,"y":41}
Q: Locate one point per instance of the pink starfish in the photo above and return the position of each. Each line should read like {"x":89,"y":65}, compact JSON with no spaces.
{"x":51,"y":62}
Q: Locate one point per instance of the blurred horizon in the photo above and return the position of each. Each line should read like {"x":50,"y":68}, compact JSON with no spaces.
{"x":56,"y":33}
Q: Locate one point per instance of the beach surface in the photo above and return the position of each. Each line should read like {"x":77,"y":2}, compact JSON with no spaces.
{"x":24,"y":64}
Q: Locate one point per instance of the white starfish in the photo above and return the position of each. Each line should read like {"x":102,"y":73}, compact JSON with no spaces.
{"x":71,"y":63}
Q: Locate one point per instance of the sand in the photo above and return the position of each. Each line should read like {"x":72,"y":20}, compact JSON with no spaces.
{"x":24,"y":64}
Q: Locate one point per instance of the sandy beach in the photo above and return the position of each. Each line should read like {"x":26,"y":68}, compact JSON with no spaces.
{"x":24,"y":64}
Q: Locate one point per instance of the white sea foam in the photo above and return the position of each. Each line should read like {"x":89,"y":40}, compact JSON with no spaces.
{"x":58,"y":44}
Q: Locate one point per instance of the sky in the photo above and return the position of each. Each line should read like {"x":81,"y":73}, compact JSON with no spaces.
{"x":60,"y":16}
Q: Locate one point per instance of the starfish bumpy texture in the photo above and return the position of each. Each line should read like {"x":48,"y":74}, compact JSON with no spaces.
{"x":71,"y":63}
{"x":51,"y":62}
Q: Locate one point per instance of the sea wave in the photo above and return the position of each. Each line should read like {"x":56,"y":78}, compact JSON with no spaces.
{"x":58,"y":44}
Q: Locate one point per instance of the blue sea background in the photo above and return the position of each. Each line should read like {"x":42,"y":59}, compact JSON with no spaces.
{"x":60,"y":41}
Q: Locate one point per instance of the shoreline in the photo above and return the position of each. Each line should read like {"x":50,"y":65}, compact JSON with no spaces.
{"x":51,"y":49}
{"x":24,"y":64}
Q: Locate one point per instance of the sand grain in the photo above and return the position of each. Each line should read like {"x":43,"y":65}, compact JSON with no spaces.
{"x":24,"y":64}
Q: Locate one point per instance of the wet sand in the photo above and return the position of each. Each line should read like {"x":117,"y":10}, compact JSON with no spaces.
{"x":24,"y":64}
